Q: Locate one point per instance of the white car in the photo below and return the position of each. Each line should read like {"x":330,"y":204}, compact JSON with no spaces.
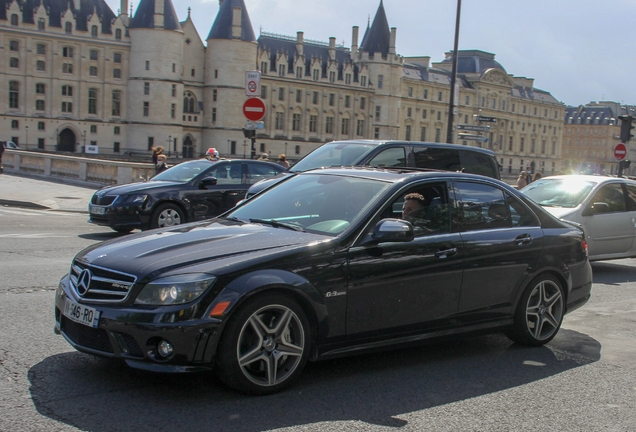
{"x":604,"y":206}
{"x":10,"y":145}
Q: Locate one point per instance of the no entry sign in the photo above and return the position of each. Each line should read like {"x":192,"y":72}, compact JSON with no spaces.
{"x":254,"y":109}
{"x":620,"y":151}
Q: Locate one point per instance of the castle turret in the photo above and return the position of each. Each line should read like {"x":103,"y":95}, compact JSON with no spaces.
{"x":156,"y":63}
{"x":231,"y":51}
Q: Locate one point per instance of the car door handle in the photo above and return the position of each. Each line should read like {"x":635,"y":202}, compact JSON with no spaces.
{"x":446,"y":253}
{"x":523,"y":239}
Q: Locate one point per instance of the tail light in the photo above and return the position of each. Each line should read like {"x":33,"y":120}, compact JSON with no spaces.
{"x":584,"y":246}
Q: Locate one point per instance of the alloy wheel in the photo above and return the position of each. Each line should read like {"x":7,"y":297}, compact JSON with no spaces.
{"x":270,"y":345}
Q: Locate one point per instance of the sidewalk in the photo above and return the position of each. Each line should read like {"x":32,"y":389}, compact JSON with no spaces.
{"x":31,"y":192}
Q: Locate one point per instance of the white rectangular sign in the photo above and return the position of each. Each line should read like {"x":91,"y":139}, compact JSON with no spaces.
{"x":252,"y":83}
{"x":92,"y":149}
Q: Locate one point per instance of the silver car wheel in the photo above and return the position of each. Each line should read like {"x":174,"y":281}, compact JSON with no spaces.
{"x":544,"y":310}
{"x":169,"y":217}
{"x":270,"y":345}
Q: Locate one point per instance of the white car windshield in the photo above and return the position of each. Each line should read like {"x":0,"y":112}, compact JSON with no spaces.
{"x":319,"y":203}
{"x":333,"y":154}
{"x":561,"y":192}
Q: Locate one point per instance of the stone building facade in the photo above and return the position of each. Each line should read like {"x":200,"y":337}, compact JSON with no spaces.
{"x":78,"y":77}
{"x":590,"y":134}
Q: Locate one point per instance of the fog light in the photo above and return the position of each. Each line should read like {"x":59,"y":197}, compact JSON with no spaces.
{"x":164,"y":349}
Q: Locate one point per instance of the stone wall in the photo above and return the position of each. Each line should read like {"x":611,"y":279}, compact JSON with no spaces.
{"x":91,"y":171}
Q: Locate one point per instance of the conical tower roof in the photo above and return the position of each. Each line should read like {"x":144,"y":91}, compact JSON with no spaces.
{"x":222,"y":27}
{"x":145,"y":16}
{"x":378,"y":37}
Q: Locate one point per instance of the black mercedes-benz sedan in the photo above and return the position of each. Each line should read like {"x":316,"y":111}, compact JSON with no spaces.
{"x":327,"y":263}
{"x":187,"y":192}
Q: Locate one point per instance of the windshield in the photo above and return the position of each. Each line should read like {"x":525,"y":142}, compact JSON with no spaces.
{"x":320,"y":203}
{"x":333,"y":154}
{"x":565,"y":192}
{"x":184,"y":172}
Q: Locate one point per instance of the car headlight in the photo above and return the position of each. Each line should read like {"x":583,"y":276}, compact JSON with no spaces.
{"x":136,"y":198}
{"x":174,"y":290}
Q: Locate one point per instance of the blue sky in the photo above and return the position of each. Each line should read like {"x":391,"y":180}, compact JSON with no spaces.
{"x":578,"y":51}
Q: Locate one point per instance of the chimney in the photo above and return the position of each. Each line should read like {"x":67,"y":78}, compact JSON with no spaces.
{"x":300,"y":43}
{"x":236,"y":23}
{"x":354,"y":42}
{"x":159,"y":13}
{"x":392,"y":40}
{"x":123,"y":5}
{"x":332,"y":48}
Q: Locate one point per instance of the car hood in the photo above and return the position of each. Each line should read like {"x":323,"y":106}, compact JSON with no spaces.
{"x":139,"y":187}
{"x":215,"y":246}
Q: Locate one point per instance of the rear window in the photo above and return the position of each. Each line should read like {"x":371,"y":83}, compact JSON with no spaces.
{"x":455,"y":160}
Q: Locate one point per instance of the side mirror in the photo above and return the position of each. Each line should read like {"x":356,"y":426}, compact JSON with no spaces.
{"x":391,"y":230}
{"x":600,"y":207}
{"x":208,"y":181}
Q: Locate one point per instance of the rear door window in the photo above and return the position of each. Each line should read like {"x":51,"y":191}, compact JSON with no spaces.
{"x":478,"y":163}
{"x":391,"y":157}
{"x":437,"y":158}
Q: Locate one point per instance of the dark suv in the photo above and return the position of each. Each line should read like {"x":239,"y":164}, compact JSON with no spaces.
{"x":392,"y":154}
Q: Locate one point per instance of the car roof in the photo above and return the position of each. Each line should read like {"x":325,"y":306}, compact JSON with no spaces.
{"x":589,"y":178}
{"x":395,"y":175}
{"x":415,"y":143}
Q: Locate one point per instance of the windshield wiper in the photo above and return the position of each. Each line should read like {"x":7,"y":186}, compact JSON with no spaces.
{"x":276,"y":224}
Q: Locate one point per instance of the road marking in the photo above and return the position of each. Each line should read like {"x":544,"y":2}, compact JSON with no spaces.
{"x":34,"y":212}
{"x":35,"y":235}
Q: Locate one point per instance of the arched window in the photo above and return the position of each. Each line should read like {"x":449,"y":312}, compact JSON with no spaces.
{"x":94,"y":31}
{"x":118,"y":34}
{"x":189,"y":104}
{"x":68,"y":27}
{"x":14,"y":19}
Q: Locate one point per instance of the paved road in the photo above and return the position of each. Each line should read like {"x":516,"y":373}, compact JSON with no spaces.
{"x":584,"y":380}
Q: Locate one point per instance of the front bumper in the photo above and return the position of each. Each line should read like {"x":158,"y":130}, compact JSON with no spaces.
{"x":133,"y":334}
{"x":120,"y":216}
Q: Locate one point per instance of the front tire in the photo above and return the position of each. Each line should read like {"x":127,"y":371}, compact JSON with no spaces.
{"x":540,"y":312}
{"x":166,"y":215}
{"x":265,"y":345}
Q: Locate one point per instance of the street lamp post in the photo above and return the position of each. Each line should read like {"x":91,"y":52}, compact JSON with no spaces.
{"x":451,"y":104}
{"x":244,"y":148}
{"x":26,"y":142}
{"x":285,"y":149}
{"x":84,"y":141}
{"x":169,"y":141}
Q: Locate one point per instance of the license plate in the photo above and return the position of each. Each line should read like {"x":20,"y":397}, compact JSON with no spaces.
{"x":81,"y":314}
{"x":97,"y":210}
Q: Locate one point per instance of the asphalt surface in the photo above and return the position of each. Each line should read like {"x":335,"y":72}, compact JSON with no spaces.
{"x":35,"y":193}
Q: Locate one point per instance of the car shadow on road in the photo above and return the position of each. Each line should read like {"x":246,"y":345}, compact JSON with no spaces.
{"x":94,"y":394}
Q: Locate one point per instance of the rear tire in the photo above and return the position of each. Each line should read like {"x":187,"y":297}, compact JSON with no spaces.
{"x":540,"y":312}
{"x":265,"y":345}
{"x":166,"y":215}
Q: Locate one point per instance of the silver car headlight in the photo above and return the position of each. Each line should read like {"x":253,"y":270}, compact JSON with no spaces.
{"x":173,"y":290}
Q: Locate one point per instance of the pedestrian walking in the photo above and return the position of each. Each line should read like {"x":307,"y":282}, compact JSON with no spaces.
{"x":162,"y":163}
{"x":156,"y":151}
{"x":264,"y":157}
{"x":282,"y":160}
{"x":536,"y":176}
{"x":522,"y":181}
{"x":1,"y":153}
